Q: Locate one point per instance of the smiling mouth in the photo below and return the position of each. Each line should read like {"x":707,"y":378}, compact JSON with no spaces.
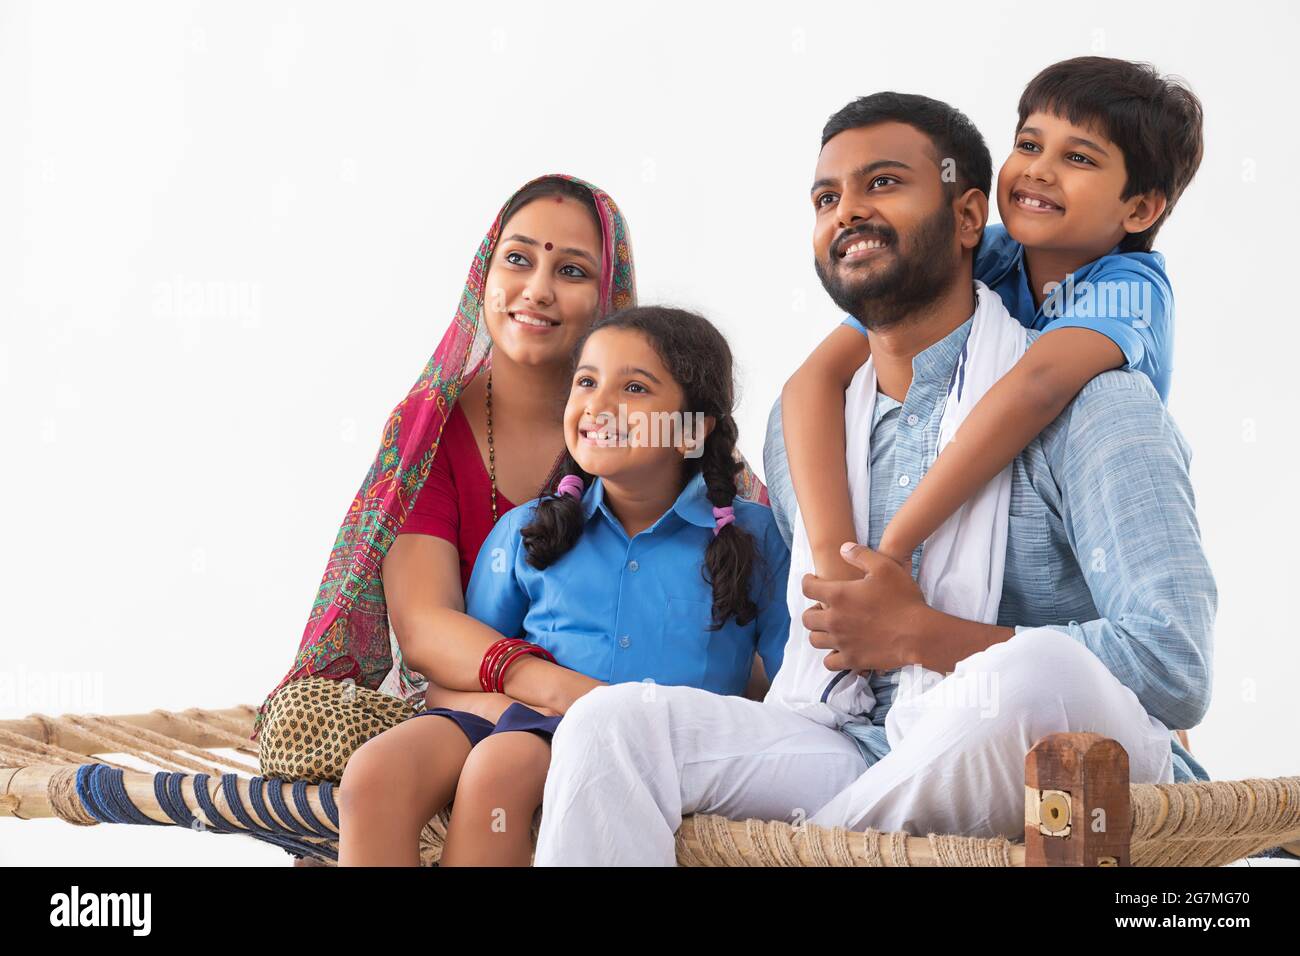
{"x":1035,"y":203}
{"x":600,"y":437}
{"x":861,"y":248}
{"x":535,"y":321}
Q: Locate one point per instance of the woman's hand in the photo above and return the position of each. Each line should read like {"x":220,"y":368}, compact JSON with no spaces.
{"x":573,"y":686}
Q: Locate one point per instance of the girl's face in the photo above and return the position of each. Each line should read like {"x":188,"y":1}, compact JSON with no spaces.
{"x":543,"y":285}
{"x":626,"y":419}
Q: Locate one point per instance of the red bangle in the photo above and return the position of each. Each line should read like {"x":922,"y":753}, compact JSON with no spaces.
{"x":491,"y":658}
{"x":508,"y":658}
{"x":500,"y":655}
{"x":533,"y":649}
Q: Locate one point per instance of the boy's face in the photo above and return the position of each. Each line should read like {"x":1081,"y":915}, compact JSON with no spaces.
{"x":1060,"y":188}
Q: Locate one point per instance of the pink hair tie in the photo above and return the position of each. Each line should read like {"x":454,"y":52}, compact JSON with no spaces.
{"x":570,"y":485}
{"x":722,"y":518}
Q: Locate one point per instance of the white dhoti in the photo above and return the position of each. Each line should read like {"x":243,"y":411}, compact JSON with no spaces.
{"x":630,"y":760}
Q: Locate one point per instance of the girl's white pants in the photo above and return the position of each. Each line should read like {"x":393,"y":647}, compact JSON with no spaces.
{"x":630,"y":760}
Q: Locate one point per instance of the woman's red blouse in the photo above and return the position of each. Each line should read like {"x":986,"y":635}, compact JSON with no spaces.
{"x":456,"y":501}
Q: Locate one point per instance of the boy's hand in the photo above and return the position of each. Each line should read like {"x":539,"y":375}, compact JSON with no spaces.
{"x":889,"y":549}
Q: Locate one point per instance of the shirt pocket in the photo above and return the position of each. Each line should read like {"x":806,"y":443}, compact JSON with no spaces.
{"x":685,"y":642}
{"x":1033,"y":564}
{"x":718,"y":661}
{"x":587,"y":652}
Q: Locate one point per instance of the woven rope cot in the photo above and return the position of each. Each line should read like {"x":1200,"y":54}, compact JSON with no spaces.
{"x":1071,"y":780}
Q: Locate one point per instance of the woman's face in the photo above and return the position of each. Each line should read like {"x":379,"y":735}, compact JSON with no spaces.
{"x":625,"y":418}
{"x":543,"y":285}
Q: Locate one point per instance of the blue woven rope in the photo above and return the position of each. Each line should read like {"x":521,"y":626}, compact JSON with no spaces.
{"x":305,"y":811}
{"x":205,"y":801}
{"x":257,"y":831}
{"x":167,"y":788}
{"x":88,"y":801}
{"x":326,"y":793}
{"x":230,"y":787}
{"x":276,"y":788}
{"x":102,"y":792}
{"x":259,"y":802}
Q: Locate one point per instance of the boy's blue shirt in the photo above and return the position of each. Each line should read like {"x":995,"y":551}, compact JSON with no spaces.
{"x":1125,"y":296}
{"x":620,"y":609}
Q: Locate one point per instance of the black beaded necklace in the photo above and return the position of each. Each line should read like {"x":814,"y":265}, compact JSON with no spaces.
{"x":492,"y":455}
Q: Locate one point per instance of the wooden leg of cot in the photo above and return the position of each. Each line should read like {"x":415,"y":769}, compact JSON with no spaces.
{"x":1077,"y":809}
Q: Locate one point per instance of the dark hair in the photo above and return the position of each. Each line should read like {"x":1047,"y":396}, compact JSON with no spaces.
{"x":550,"y":186}
{"x":1156,"y":121}
{"x":952,"y":134}
{"x":699,"y":360}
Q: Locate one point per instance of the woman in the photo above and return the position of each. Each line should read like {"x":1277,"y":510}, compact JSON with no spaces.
{"x":479,"y":431}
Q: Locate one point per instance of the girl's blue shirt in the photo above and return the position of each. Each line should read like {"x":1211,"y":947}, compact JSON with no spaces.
{"x":620,"y":609}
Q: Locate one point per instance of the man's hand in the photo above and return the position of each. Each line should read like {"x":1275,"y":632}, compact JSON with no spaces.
{"x":870,"y":623}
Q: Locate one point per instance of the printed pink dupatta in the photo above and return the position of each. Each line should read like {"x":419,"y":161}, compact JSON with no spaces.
{"x":347,"y":632}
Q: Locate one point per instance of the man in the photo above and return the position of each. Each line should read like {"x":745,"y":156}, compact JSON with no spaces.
{"x":1107,"y":600}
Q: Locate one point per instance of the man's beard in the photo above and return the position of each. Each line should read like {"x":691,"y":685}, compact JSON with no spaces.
{"x":916,"y":277}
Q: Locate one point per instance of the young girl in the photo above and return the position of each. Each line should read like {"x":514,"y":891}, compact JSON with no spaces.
{"x":641,"y":564}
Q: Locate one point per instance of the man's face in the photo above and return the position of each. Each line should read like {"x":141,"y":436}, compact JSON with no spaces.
{"x":885,"y":240}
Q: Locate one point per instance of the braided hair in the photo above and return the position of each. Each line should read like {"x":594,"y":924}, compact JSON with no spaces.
{"x":697,"y":356}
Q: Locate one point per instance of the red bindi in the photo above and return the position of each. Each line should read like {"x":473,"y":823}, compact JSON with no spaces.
{"x":549,"y":247}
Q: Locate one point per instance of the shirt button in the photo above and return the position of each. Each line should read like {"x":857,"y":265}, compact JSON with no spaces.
{"x":912,"y":420}
{"x":903,"y":480}
{"x":624,"y":641}
{"x":632,"y":565}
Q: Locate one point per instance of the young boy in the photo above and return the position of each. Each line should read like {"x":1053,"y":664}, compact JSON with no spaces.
{"x":1103,"y":149}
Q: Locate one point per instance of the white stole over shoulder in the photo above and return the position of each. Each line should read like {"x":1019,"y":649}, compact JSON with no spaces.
{"x":961,"y":563}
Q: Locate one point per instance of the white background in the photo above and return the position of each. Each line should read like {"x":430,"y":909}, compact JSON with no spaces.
{"x":175,"y":466}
